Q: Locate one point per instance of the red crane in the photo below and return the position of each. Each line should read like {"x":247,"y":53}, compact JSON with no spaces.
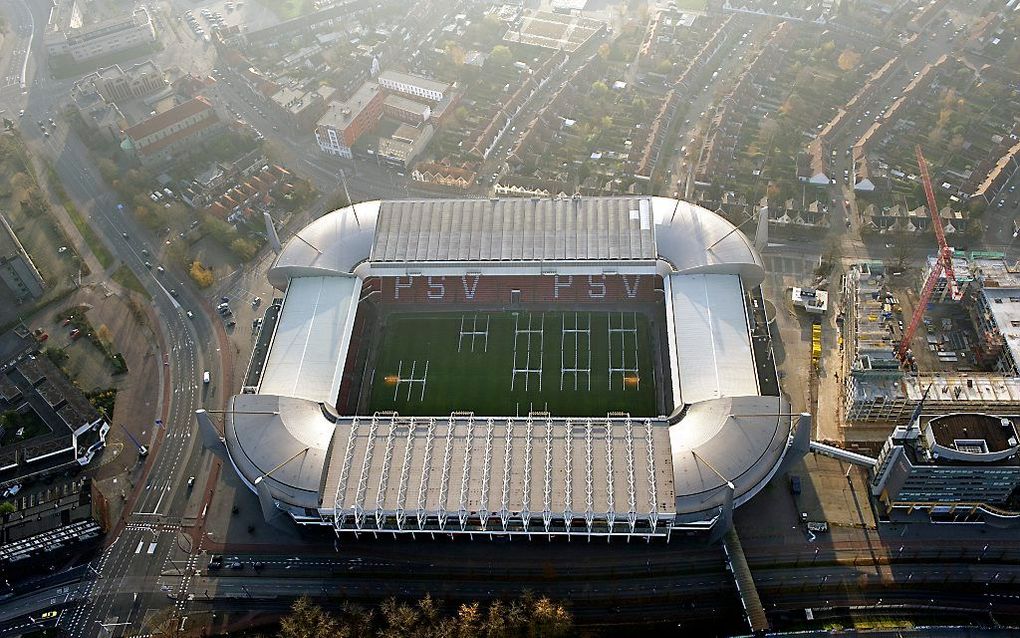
{"x":943,"y":264}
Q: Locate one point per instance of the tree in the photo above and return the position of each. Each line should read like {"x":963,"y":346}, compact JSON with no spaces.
{"x":308,"y":620}
{"x":7,"y":508}
{"x":902,"y":253}
{"x":455,"y":53}
{"x":245,"y":249}
{"x":57,"y":355}
{"x":501,"y":56}
{"x":104,"y":336}
{"x":202,"y":276}
{"x":848,"y":60}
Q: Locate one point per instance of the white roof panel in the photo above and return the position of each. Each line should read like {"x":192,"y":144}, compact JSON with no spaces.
{"x":713,"y":344}
{"x":309,"y":349}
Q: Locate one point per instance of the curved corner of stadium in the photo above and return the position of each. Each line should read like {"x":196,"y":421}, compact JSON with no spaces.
{"x":309,"y":426}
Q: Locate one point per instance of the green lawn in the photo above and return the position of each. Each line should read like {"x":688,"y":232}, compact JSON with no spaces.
{"x":426,"y":366}
{"x":125,"y":277}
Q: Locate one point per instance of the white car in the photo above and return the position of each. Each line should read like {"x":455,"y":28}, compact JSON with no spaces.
{"x":12,"y":490}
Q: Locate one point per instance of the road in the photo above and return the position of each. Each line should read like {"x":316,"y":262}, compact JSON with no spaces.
{"x":140,"y":546}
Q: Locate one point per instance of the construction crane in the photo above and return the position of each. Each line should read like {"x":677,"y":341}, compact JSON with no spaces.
{"x":943,"y":263}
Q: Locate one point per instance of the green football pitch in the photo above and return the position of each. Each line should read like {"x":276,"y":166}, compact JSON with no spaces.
{"x":510,"y":363}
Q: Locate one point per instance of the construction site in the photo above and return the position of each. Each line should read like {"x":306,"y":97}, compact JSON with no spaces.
{"x":955,"y":346}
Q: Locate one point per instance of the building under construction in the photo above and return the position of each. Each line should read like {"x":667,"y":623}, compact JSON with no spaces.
{"x":973,"y":369}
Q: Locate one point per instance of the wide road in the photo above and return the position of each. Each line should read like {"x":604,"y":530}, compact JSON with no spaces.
{"x":190,"y":345}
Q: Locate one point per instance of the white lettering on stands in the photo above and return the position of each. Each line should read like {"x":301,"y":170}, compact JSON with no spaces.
{"x":469,"y":293}
{"x":631,"y":291}
{"x":436,"y":289}
{"x":597,"y":288}
{"x":397,"y":285}
{"x":557,"y":284}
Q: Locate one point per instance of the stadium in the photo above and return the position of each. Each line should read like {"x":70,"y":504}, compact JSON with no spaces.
{"x":573,"y":366}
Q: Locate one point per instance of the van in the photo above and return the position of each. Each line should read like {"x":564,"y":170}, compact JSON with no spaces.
{"x":795,"y":485}
{"x":205,"y":377}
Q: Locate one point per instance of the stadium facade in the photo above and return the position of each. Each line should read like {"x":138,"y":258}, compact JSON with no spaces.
{"x":295,"y":438}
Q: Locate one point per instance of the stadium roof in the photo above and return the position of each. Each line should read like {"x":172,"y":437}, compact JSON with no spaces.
{"x":376,"y":238}
{"x":309,"y":347}
{"x":540,"y":466}
{"x":738,"y":440}
{"x":713,"y":346}
{"x":514,"y":230}
{"x":284,"y":439}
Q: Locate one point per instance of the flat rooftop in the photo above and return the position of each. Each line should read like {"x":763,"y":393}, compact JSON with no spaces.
{"x":414,"y":80}
{"x":956,"y":430}
{"x":1004,"y":304}
{"x":339,"y":115}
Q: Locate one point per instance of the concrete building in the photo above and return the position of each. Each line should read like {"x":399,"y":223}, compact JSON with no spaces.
{"x":405,"y":110}
{"x":960,"y":467}
{"x":414,"y":85}
{"x":173,"y":132}
{"x":344,"y":122}
{"x":406,"y":143}
{"x":17,"y":271}
{"x":302,"y":108}
{"x":103,"y":38}
{"x":115,"y":84}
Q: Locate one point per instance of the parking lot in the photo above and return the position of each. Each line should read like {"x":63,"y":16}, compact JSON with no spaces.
{"x":224,"y":14}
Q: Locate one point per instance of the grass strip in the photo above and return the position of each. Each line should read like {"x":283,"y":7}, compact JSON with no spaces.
{"x":125,"y":277}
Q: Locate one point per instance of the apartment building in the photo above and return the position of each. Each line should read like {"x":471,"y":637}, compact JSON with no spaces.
{"x":414,"y":85}
{"x":17,"y":271}
{"x":344,"y":122}
{"x":103,"y":38}
{"x":171,"y":133}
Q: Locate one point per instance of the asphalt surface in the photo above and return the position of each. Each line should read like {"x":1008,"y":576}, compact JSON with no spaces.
{"x":191,"y":346}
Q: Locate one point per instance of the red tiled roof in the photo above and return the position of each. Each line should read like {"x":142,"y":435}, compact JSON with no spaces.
{"x":168,"y":118}
{"x":194,"y":129}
